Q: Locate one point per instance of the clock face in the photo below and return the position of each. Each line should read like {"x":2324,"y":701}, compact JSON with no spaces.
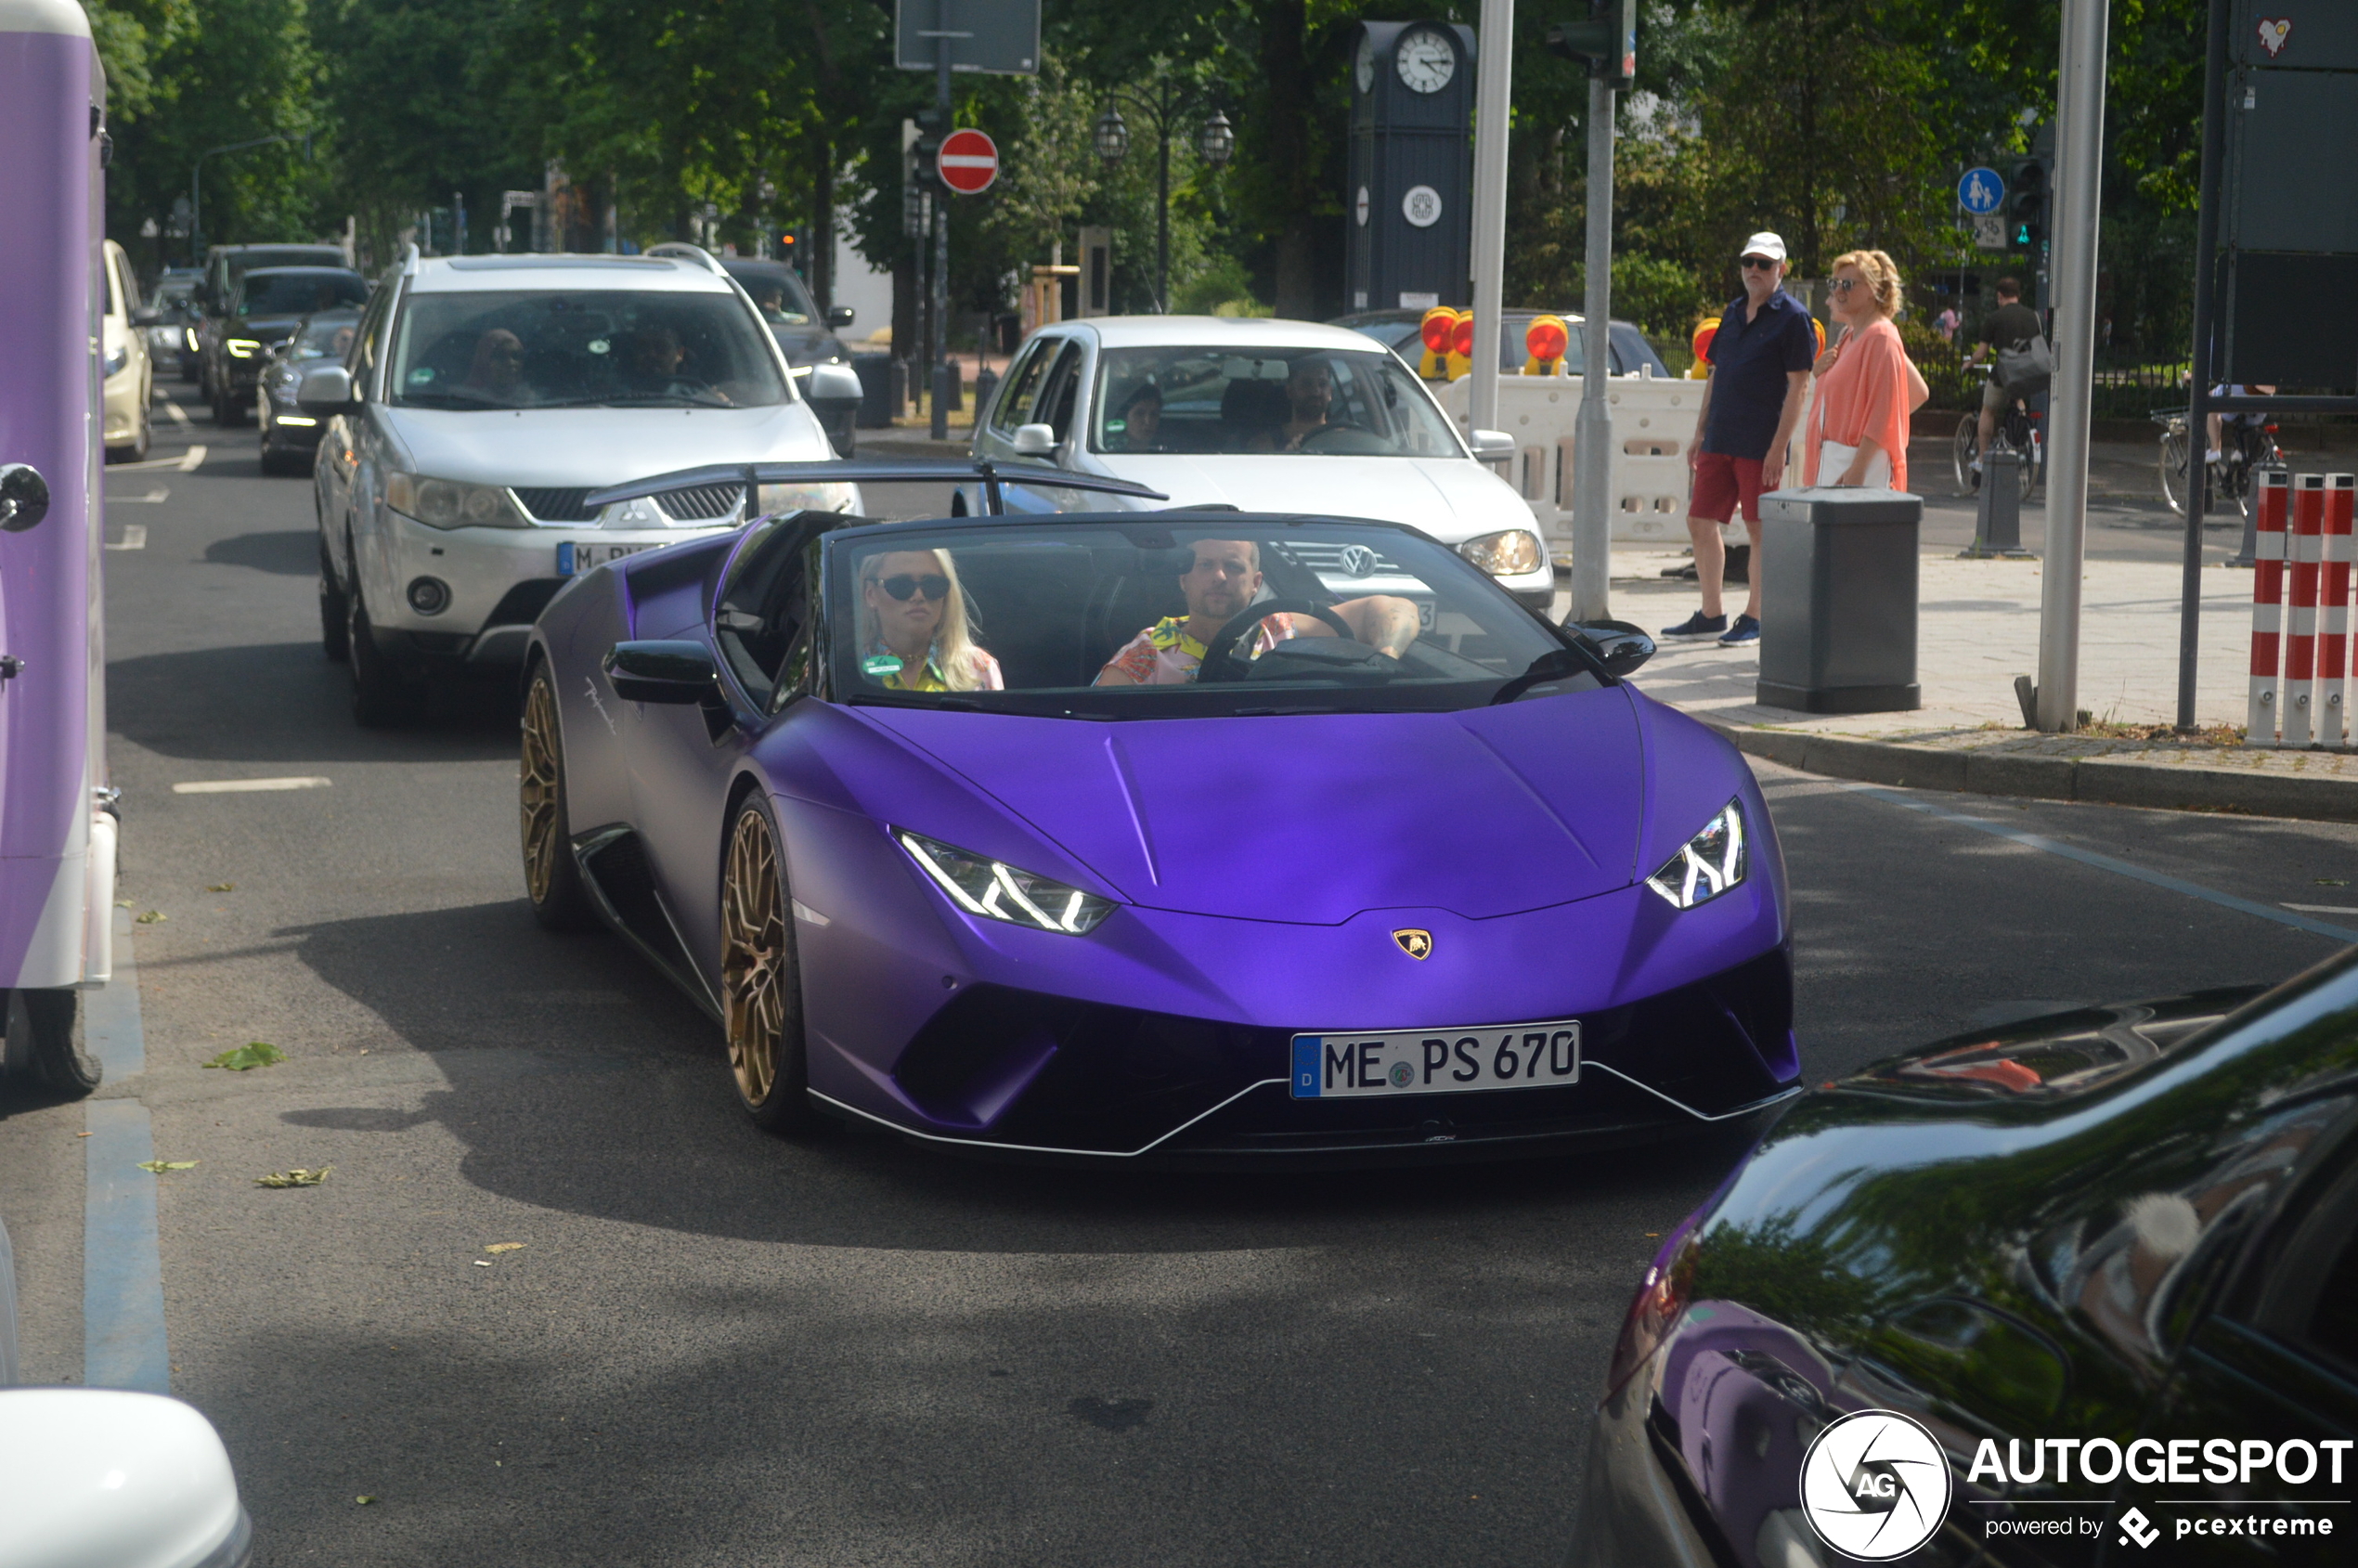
{"x":1426,"y":61}
{"x":1366,"y":71}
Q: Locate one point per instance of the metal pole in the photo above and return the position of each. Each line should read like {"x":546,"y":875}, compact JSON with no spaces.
{"x":938,"y":341}
{"x":2080,"y":115}
{"x":1592,"y":431}
{"x":1493,"y":90}
{"x":1163,"y":208}
{"x":2214,"y":138}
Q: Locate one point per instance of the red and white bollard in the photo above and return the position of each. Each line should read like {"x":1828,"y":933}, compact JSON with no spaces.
{"x":2333,"y":621}
{"x":2297,"y":711}
{"x":2267,"y":602}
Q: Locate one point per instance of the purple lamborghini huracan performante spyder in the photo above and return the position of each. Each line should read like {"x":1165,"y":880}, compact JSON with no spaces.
{"x":1193,"y":836}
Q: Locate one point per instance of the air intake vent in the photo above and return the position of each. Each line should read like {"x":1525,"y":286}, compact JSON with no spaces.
{"x":557,"y":505}
{"x":700,"y":503}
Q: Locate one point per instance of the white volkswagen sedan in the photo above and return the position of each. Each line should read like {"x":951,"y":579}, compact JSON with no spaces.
{"x":1261,"y":415}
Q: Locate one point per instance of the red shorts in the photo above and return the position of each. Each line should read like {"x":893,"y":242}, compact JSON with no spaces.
{"x":1723,"y":483}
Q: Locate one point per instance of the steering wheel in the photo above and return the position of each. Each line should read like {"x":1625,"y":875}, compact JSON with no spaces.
{"x":1310,"y":439}
{"x":1217,"y":651}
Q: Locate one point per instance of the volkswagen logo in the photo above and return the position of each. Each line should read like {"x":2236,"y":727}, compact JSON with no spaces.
{"x":1875,"y":1485}
{"x":1359,"y":560}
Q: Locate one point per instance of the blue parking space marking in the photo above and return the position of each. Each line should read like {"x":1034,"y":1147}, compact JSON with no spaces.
{"x":122,"y":1333}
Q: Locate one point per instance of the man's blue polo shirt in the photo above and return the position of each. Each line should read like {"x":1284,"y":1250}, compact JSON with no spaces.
{"x":1749,"y":363}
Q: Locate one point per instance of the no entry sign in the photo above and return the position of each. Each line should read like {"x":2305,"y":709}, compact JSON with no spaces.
{"x":969,"y":161}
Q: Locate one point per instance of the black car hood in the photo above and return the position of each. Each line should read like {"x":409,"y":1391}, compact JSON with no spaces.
{"x":808,"y":345}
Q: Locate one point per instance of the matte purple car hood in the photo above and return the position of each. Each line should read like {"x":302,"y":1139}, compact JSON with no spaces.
{"x":1315,"y":818}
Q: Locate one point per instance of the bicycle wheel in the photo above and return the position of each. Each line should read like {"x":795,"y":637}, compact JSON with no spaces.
{"x":2033,"y":466}
{"x":2173,"y":470}
{"x":1962,"y":454}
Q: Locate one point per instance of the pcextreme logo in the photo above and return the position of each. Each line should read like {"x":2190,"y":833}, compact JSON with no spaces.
{"x":1875,"y":1485}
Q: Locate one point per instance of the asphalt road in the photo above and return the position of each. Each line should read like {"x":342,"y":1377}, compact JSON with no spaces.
{"x":713,"y":1347}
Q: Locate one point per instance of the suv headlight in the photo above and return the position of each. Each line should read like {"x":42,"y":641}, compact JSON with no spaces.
{"x":242,"y":348}
{"x":447,"y":503}
{"x":1507,"y":553}
{"x":1712,"y":862}
{"x":998,"y":891}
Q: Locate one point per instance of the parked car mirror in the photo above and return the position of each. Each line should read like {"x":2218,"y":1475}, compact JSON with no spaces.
{"x":841,"y":316}
{"x":832,"y":385}
{"x":326,"y":391}
{"x":1035,"y":440}
{"x":662,"y":671}
{"x":1623,"y":647}
{"x":1492,"y":446}
{"x":24,"y":497}
{"x":130,"y":1479}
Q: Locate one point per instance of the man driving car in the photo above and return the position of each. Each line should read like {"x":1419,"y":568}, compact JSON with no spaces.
{"x":1223,"y":580}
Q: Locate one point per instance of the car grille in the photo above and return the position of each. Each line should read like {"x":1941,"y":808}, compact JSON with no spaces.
{"x":1342,"y":560}
{"x":700,"y":503}
{"x":556,"y":506}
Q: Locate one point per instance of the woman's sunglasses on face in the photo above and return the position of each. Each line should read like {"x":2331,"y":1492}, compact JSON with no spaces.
{"x":1844,"y":285}
{"x":933,"y":584}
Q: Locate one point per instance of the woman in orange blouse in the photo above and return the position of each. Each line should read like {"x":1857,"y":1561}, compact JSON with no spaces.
{"x":1866,"y":387}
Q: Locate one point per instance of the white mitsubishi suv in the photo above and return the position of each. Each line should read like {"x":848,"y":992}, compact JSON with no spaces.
{"x":483,"y":398}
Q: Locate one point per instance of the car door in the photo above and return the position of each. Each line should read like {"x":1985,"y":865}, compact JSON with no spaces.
{"x":2273,"y":1374}
{"x":996,"y":439}
{"x":1053,"y":403}
{"x":683,"y":758}
{"x":363,"y":438}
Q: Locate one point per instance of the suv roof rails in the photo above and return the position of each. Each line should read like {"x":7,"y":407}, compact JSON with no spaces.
{"x":686,"y":251}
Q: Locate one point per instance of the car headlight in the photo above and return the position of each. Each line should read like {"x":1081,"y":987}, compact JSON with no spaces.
{"x":242,"y":348}
{"x":1507,"y":553}
{"x":808,"y":498}
{"x":447,"y":503}
{"x":998,"y":891}
{"x":188,"y":336}
{"x":118,"y":360}
{"x":1712,"y":862}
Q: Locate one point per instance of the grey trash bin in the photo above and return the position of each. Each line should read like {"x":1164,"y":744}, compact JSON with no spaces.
{"x":1838,"y":601}
{"x":875,"y":371}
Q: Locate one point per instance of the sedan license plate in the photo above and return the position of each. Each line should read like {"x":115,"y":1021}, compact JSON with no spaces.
{"x":574,"y":559}
{"x":1437,"y":1061}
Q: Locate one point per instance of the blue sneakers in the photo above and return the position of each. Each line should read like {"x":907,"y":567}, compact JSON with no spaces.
{"x":1695,"y":628}
{"x":1746,"y":629}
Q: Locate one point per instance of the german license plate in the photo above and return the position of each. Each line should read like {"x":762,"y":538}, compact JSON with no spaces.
{"x":574,"y":559}
{"x":1328,"y":1066}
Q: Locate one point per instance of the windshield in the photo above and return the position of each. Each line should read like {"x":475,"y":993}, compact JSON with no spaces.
{"x":324,"y":337}
{"x":608,"y":348}
{"x":777,"y":293}
{"x":1324,"y":402}
{"x":1162,"y":620}
{"x":299,"y":294}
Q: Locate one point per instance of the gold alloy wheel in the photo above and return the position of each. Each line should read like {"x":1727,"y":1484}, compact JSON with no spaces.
{"x":536,"y":791}
{"x":754,"y":960}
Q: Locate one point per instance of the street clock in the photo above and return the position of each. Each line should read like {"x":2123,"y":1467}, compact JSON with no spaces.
{"x":1409,"y":205}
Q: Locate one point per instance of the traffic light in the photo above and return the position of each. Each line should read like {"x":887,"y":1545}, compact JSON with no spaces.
{"x":1604,"y":36}
{"x":2026,"y":203}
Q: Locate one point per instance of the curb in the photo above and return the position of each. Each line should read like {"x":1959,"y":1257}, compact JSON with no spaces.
{"x":2166,"y":787}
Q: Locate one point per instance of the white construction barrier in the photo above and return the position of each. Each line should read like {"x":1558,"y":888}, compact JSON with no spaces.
{"x":1653,"y":418}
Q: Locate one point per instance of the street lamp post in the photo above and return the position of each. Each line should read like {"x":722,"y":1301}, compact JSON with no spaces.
{"x":196,"y":196}
{"x":1162,"y":104}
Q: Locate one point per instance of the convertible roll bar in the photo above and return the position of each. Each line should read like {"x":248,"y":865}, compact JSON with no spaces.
{"x":853,"y":470}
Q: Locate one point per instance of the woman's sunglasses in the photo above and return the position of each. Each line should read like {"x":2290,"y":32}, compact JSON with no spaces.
{"x":1844,"y":285}
{"x":933,"y":584}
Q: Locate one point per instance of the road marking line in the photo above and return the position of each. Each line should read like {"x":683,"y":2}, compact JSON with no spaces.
{"x":186,"y":463}
{"x":179,"y":415}
{"x":2324,"y":909}
{"x":123,"y":1333}
{"x":2105,"y":863}
{"x":245,"y":786}
{"x":151,"y":498}
{"x":134,"y":537}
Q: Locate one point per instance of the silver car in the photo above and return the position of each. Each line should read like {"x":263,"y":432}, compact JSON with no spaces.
{"x":482,"y":399}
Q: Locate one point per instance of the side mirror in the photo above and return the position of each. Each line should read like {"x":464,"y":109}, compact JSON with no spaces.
{"x":146,"y":316}
{"x":1621,"y":646}
{"x":1491,"y":445}
{"x":24,"y":497}
{"x":101,"y":1475}
{"x":841,"y":316}
{"x":1036,"y":441}
{"x":325,"y":392}
{"x":662,"y":671}
{"x":833,"y":386}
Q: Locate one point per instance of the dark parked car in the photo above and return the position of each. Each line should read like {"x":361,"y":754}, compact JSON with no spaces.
{"x":805,"y":333}
{"x":288,"y":435}
{"x":172,"y":338}
{"x":225,"y":266}
{"x":266,"y":307}
{"x":1396,"y":330}
{"x":2024,"y":1296}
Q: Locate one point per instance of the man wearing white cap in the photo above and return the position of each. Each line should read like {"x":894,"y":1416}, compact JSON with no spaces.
{"x":1760,"y":378}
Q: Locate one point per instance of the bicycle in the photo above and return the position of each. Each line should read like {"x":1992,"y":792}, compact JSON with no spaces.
{"x":2247,"y":448}
{"x":2020,"y":430}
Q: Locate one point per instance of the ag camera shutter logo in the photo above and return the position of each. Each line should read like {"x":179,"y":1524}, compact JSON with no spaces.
{"x":1875,"y":1485}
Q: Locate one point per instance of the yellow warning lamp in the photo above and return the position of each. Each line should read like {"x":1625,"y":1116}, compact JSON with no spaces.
{"x":1545,"y":339}
{"x":1461,"y":342}
{"x":1434,"y":331}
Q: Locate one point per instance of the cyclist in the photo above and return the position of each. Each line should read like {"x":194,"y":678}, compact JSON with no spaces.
{"x":2242,"y":422}
{"x":2012,"y":330}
